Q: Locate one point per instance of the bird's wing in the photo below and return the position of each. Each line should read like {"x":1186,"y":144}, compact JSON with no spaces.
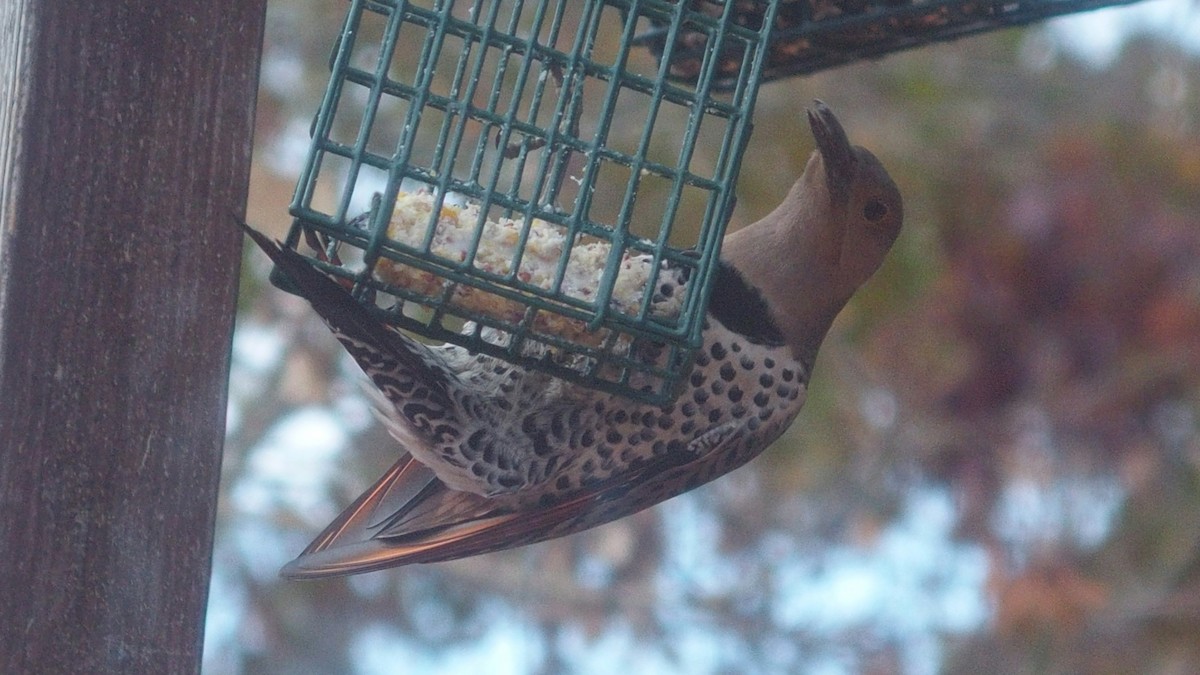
{"x":417,"y":383}
{"x":409,"y":516}
{"x":379,"y":350}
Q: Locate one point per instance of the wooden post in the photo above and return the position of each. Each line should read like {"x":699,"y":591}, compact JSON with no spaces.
{"x":125,"y":135}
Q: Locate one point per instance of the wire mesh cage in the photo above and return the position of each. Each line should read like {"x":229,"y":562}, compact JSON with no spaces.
{"x":519,"y":179}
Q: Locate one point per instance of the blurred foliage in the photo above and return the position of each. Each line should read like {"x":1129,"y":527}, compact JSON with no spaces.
{"x":1031,"y":349}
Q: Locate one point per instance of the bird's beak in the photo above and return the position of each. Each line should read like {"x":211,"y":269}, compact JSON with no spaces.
{"x":835,"y":149}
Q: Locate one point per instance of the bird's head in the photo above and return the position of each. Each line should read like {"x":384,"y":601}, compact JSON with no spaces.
{"x":864,"y":210}
{"x":830,"y":234}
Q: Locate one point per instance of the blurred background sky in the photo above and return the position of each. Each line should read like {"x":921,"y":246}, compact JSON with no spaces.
{"x":998,"y":469}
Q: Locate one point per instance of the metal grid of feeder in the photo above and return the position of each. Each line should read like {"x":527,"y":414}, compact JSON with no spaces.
{"x":811,"y":35}
{"x":539,"y":145}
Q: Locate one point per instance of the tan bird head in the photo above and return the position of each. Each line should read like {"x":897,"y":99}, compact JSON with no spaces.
{"x":827,"y":237}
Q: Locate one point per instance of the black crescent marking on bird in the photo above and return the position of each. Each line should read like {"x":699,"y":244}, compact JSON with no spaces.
{"x":742,"y":309}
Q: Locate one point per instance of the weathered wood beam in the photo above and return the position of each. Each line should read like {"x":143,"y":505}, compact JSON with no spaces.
{"x":125,"y":135}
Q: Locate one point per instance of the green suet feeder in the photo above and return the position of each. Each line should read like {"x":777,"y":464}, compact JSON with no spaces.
{"x":549,"y":182}
{"x":529,"y":121}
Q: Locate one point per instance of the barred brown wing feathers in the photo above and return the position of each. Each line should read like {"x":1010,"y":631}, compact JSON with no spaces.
{"x":440,"y":524}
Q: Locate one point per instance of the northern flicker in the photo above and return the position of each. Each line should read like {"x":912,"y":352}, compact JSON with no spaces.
{"x":493,"y":456}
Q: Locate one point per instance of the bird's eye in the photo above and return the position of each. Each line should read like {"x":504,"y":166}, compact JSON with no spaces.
{"x":875,"y":210}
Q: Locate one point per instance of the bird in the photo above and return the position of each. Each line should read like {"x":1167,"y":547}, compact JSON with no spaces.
{"x":494,"y":456}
